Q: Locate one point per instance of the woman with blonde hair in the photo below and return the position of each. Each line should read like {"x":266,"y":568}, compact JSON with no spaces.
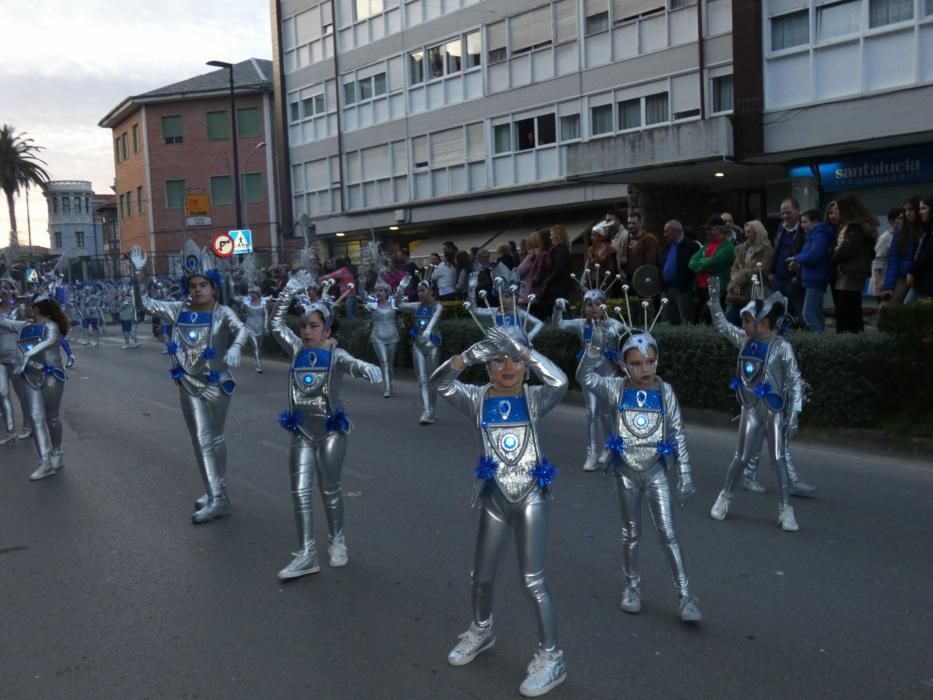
{"x":752,"y":258}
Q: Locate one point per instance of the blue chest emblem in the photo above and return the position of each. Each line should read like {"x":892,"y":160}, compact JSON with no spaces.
{"x":752,"y":358}
{"x":310,"y":367}
{"x":505,"y":410}
{"x":507,"y":320}
{"x":587,"y":333}
{"x":641,"y":410}
{"x":30,"y":335}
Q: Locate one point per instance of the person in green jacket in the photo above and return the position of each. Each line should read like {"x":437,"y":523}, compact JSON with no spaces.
{"x":714,"y":258}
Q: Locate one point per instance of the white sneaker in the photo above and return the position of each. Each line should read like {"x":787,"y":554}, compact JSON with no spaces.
{"x":752,"y":485}
{"x":592,"y":463}
{"x":57,"y":460}
{"x":426,"y":418}
{"x":9,"y":439}
{"x":472,"y":643}
{"x":545,"y":672}
{"x":304,"y":563}
{"x":25,"y":433}
{"x":604,"y":456}
{"x":720,"y":507}
{"x":337,"y":552}
{"x":45,"y":469}
{"x":786,"y":519}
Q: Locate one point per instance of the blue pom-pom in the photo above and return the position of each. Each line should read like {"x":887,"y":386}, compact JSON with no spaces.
{"x":665,"y":449}
{"x":414,"y":332}
{"x":762,"y":390}
{"x":208,"y":354}
{"x":291,"y":420}
{"x":612,"y":356}
{"x":735,"y":383}
{"x":337,"y":422}
{"x":486,"y":468}
{"x":615,"y":443}
{"x":543,"y":473}
{"x":215,"y":277}
{"x":177,"y":373}
{"x":171,"y":348}
{"x":48,"y":369}
{"x":213,"y":378}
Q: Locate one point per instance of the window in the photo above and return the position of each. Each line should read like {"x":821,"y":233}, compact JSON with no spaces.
{"x":79,"y":239}
{"x":838,"y":19}
{"x":883,"y":12}
{"x":364,"y":9}
{"x":502,"y":138}
{"x":139,"y":200}
{"x":496,"y":50}
{"x":124,"y":150}
{"x":379,"y":84}
{"x":58,"y":239}
{"x":87,"y":205}
{"x":566,"y":21}
{"x":447,"y":148}
{"x":313,"y":105}
{"x":252,"y":188}
{"x":790,"y":30}
{"x":547,"y":129}
{"x":116,"y":150}
{"x":221,"y":190}
{"x":247,"y":123}
{"x":657,"y":110}
{"x":722,"y":94}
{"x":570,"y":127}
{"x":476,"y":142}
{"x":294,"y":111}
{"x":217,"y":126}
{"x":174,"y":194}
{"x":525,"y":134}
{"x":77,"y":205}
{"x":129,"y":204}
{"x":601,"y":119}
{"x":55,"y":206}
{"x":928,"y":9}
{"x":597,"y":19}
{"x":626,"y":10}
{"x":416,"y":67}
{"x":122,"y":207}
{"x":454,"y":51}
{"x":531,"y":30}
{"x":349,"y":92}
{"x":435,"y":62}
{"x":135,"y":138}
{"x":473,"y":48}
{"x":172,"y":130}
{"x":630,"y":114}
{"x":66,"y":205}
{"x":419,"y":151}
{"x":680,"y":4}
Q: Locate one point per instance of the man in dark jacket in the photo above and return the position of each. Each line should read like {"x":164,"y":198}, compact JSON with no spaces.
{"x":676,"y":275}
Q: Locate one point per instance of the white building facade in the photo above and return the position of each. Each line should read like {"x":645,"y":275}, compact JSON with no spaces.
{"x":73,"y":224}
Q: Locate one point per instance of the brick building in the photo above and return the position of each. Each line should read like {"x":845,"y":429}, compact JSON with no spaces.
{"x":176,"y":142}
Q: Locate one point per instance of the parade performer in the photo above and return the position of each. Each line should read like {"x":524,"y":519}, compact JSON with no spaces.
{"x":206,"y":342}
{"x":93,"y":316}
{"x":317,"y":421}
{"x":126,"y":311}
{"x":598,"y":415}
{"x":507,"y":315}
{"x":513,"y":483}
{"x":426,"y":341}
{"x":9,"y":360}
{"x":40,"y":365}
{"x":255,"y":306}
{"x":384,"y":337}
{"x":648,"y":441}
{"x":769,"y":388}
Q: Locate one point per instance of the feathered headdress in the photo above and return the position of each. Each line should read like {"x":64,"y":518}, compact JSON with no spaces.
{"x":637,"y":339}
{"x":198,"y":262}
{"x":594,"y":289}
{"x":510,"y":322}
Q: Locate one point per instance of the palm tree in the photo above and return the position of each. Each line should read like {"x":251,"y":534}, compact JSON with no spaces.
{"x":20,"y":166}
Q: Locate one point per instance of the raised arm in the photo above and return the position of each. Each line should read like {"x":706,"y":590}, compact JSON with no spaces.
{"x":435,"y":318}
{"x":168,"y":310}
{"x":606,"y":388}
{"x":356,"y":368}
{"x":280,"y":330}
{"x":466,"y":398}
{"x":732,"y":333}
{"x":12,"y":326}
{"x":533,"y":323}
{"x":553,"y":385}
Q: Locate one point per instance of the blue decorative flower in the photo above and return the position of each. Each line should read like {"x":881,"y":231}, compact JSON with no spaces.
{"x":213,"y":378}
{"x":291,"y":420}
{"x":486,"y":468}
{"x":735,"y":383}
{"x":208,"y":354}
{"x":615,"y":443}
{"x":612,"y":356}
{"x":543,"y":473}
{"x":414,"y":332}
{"x":48,"y":369}
{"x":666,"y":449}
{"x":337,"y":422}
{"x":762,"y":389}
{"x":171,"y":348}
{"x":214,"y":276}
{"x":177,"y":373}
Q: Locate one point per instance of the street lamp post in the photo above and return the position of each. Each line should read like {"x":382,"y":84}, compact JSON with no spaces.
{"x":236,"y":155}
{"x":261,"y":144}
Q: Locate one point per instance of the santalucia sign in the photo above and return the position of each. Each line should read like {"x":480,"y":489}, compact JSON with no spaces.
{"x":882,"y":169}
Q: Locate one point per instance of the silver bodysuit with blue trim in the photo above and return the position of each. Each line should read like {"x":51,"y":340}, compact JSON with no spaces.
{"x":384,"y":338}
{"x":426,"y":344}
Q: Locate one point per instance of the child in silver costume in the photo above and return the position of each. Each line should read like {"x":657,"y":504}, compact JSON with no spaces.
{"x":508,"y":315}
{"x":126,"y":311}
{"x":384,"y":337}
{"x":648,"y":440}
{"x":513,"y":480}
{"x":770,"y":389}
{"x":317,"y":422}
{"x":9,"y":360}
{"x":207,"y":339}
{"x":425,"y":342}
{"x":255,"y":306}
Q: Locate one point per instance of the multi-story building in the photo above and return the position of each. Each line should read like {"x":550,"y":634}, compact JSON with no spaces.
{"x":173,"y":155}
{"x":73,"y":225}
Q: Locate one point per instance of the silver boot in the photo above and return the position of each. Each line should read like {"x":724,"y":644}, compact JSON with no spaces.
{"x":337,"y":552}
{"x":787,"y":520}
{"x":631,"y":600}
{"x":472,"y":643}
{"x":721,"y":507}
{"x":57,"y":459}
{"x":592,"y":461}
{"x":217,"y":507}
{"x":545,"y":672}
{"x":689,"y":609}
{"x":304,"y":563}
{"x":45,"y":469}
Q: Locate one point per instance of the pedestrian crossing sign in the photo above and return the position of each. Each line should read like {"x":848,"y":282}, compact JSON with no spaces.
{"x":242,"y":241}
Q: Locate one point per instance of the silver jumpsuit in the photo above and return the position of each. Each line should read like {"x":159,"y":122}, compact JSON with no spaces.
{"x":199,"y":341}
{"x":385,"y":338}
{"x":257,"y":320}
{"x":768,"y":387}
{"x":10,"y":382}
{"x":425,"y":349}
{"x":598,"y":414}
{"x":44,"y":376}
{"x":649,"y":438}
{"x":511,"y":501}
{"x":319,"y":436}
{"x":127,"y":313}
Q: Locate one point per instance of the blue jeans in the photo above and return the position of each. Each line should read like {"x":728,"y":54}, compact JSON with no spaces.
{"x":813,"y":309}
{"x":350,"y":306}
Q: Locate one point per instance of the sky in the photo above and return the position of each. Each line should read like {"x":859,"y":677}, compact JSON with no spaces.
{"x":64,"y":65}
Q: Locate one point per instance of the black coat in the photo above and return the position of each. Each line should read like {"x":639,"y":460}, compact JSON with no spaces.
{"x":556,"y":283}
{"x":922,"y":267}
{"x":685,"y":250}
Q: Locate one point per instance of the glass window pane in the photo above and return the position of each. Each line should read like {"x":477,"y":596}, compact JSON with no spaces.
{"x":496,"y":43}
{"x":882,"y":12}
{"x":319,"y":104}
{"x":525,"y":134}
{"x":547,"y":129}
{"x":502,"y":138}
{"x":839,"y":19}
{"x":630,"y":114}
{"x":252,"y":188}
{"x":473,"y":49}
{"x":597,"y":16}
{"x":172,"y":130}
{"x":790,"y":30}
{"x":454,"y":50}
{"x":174,"y":194}
{"x":447,"y":148}
{"x":221,"y":190}
{"x":416,"y":67}
{"x":476,"y":142}
{"x":307,"y":107}
{"x":531,"y":30}
{"x":656,"y":109}
{"x":419,"y":151}
{"x":366,"y":88}
{"x":399,"y":158}
{"x":435,"y":61}
{"x":247,"y":122}
{"x":294,"y":111}
{"x":570,"y":127}
{"x":601,"y":119}
{"x":379,"y":84}
{"x":722,"y":94}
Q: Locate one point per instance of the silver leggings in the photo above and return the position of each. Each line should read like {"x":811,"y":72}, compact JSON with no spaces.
{"x":43,"y":405}
{"x":599,"y":420}
{"x":205,"y":416}
{"x":326,"y":458}
{"x":757,"y":423}
{"x":17,"y":385}
{"x":6,"y":401}
{"x":386,"y":354}
{"x":792,"y":475}
{"x":654,"y":483}
{"x":256,"y":340}
{"x":528,"y":520}
{"x":425,"y":364}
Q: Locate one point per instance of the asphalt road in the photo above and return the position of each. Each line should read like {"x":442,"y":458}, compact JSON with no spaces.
{"x":108,"y":591}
